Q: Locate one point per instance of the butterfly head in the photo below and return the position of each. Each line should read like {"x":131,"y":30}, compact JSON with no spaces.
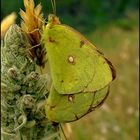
{"x":53,"y":19}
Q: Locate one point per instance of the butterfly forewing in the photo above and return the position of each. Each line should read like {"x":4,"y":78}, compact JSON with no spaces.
{"x":76,"y":65}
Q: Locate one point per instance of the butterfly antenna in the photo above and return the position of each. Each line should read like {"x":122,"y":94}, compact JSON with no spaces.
{"x":53,"y":6}
{"x":63,"y":132}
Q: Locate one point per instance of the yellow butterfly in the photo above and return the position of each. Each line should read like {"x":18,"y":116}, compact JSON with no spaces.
{"x":80,"y":73}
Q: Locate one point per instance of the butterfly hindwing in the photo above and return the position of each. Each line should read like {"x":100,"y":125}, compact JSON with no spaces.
{"x":71,"y":107}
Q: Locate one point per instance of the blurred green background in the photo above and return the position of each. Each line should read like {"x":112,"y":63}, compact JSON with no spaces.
{"x":112,"y":26}
{"x":85,"y":15}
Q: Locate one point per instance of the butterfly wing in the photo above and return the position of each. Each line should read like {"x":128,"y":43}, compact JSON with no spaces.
{"x":76,"y":65}
{"x":67,"y":108}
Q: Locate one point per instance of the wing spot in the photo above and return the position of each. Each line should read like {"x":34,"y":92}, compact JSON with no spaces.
{"x":71,"y":98}
{"x":51,"y":40}
{"x":71,"y":59}
{"x":81,"y":43}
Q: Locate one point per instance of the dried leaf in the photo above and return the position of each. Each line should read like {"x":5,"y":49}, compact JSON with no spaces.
{"x":32,"y":23}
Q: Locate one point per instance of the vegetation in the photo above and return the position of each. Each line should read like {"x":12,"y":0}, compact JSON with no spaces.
{"x":113,"y":27}
{"x":84,"y":13}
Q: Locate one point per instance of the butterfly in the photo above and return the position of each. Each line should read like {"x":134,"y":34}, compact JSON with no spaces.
{"x":81,"y":75}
